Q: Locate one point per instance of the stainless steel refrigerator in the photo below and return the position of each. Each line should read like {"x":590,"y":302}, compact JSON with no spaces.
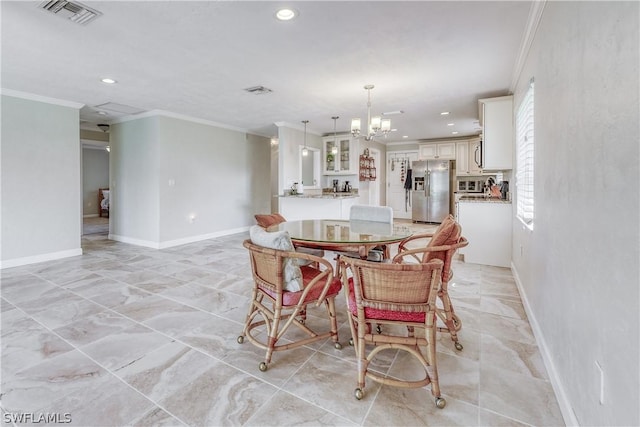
{"x":432,"y":190}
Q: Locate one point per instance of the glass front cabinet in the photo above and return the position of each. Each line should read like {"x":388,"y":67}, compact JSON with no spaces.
{"x":340,"y":155}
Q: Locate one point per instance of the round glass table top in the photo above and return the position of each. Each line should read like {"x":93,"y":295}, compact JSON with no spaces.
{"x":343,"y":232}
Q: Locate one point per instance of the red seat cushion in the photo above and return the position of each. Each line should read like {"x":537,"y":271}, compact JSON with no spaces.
{"x":308,"y":273}
{"x":377,"y":314}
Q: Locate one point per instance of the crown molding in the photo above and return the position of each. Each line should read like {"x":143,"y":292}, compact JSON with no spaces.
{"x":297,"y":126}
{"x":40,"y":98}
{"x":535,"y":15}
{"x":162,"y":113}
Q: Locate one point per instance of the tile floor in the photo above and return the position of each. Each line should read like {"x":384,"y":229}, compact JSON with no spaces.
{"x":95,"y":225}
{"x":125,"y":335}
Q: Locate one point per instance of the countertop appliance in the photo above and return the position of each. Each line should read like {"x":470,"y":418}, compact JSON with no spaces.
{"x":431,"y":192}
{"x":504,"y":190}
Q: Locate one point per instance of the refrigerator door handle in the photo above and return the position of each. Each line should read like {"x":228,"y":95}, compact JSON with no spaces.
{"x":427,"y":188}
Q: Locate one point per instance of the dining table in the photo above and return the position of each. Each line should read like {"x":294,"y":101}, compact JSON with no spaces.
{"x":344,"y":235}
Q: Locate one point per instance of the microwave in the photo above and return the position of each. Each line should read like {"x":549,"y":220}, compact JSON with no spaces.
{"x":470,"y":186}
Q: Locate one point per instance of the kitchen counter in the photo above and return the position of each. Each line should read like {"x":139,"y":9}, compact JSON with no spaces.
{"x":321,"y":196}
{"x":486,"y":223}
{"x":316,"y":206}
{"x":481,"y":198}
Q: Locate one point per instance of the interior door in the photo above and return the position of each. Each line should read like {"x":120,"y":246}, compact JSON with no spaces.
{"x":396,"y":176}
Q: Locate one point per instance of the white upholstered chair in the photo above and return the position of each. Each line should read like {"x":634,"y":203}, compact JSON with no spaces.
{"x":371,"y":213}
{"x":378,"y":214}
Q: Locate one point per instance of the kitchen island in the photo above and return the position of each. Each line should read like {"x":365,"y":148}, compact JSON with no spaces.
{"x":321,"y":206}
{"x":486,"y":223}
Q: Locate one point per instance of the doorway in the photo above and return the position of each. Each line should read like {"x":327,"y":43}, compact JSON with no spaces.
{"x":94,"y":167}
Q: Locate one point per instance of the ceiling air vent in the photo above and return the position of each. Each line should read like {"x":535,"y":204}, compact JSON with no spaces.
{"x":74,"y":11}
{"x":258,"y":90}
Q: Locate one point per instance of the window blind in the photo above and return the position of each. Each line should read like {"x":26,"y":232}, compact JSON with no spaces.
{"x":525,"y":158}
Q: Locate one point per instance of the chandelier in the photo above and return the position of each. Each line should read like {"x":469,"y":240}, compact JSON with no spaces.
{"x":377,"y":126}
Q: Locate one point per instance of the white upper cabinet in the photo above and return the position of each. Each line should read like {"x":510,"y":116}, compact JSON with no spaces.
{"x":440,"y":151}
{"x":340,"y":155}
{"x":462,"y":158}
{"x":474,"y":157}
{"x":468,"y":157}
{"x":496,"y":118}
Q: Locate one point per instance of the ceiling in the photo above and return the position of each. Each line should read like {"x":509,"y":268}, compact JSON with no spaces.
{"x":196,"y":58}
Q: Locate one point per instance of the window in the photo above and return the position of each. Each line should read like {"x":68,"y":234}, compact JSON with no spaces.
{"x":525,"y":159}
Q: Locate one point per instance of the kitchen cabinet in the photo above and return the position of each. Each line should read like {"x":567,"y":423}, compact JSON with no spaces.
{"x":468,"y":158}
{"x":474,"y":157}
{"x":437,"y":151}
{"x":496,"y":119}
{"x":487,"y":227}
{"x":344,"y":159}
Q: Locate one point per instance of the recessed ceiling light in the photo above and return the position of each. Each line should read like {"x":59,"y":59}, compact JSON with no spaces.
{"x":108,"y":80}
{"x":455,"y":132}
{"x":102,"y":113}
{"x":445,"y":113}
{"x":405,"y":136}
{"x":450,"y":124}
{"x":286,"y":14}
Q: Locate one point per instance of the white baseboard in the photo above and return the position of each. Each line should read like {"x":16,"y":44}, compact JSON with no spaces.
{"x":90,"y":216}
{"x":192,"y":239}
{"x":563,"y":401}
{"x":17,"y":262}
{"x":137,"y":242}
{"x":176,"y":242}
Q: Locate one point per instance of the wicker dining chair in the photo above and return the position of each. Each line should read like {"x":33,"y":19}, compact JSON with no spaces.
{"x":278,"y":307}
{"x":442,"y":245}
{"x":402,"y":298}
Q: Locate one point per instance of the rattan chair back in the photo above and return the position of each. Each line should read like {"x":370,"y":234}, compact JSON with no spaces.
{"x":393,"y":295}
{"x":278,"y":310}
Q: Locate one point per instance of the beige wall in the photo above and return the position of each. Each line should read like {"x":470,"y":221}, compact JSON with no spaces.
{"x":40,"y":197}
{"x":174,"y":181}
{"x":578,"y":268}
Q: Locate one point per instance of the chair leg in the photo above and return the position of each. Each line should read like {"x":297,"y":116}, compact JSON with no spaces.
{"x":331,"y":311}
{"x":362,"y":362}
{"x":252,"y":309}
{"x":450,"y":319}
{"x":432,"y":367}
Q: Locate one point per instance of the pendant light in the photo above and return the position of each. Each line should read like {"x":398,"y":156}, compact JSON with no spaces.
{"x":334,"y":149}
{"x":305,"y":150}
